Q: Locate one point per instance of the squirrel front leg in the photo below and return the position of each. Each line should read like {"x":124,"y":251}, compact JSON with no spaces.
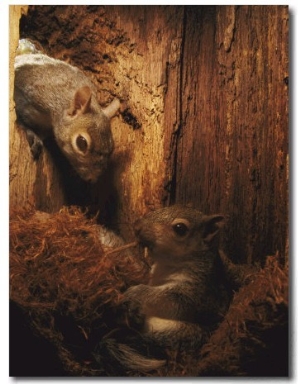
{"x":138,"y":292}
{"x":159,"y":301}
{"x":132,"y":305}
{"x":137,"y":297}
{"x":155,"y":310}
{"x":147,"y":295}
{"x":35,"y":143}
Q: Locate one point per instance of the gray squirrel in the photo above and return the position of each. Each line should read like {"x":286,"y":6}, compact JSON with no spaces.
{"x":188,"y":292}
{"x":53,"y":98}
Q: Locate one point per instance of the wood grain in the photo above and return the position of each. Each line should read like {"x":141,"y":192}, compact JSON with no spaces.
{"x":204,"y":118}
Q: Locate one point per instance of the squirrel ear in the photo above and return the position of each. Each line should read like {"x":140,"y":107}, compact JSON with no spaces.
{"x":112,"y":108}
{"x":81,"y":102}
{"x":212,"y":225}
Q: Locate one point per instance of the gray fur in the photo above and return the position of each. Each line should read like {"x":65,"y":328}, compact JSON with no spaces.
{"x":187,"y":293}
{"x":46,"y":103}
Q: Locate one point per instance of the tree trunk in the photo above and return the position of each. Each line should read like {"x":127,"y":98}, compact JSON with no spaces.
{"x":232,"y":153}
{"x":35,"y":183}
{"x":203,"y":121}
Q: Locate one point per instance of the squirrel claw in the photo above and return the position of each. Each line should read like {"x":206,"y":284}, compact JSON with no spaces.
{"x":134,"y":315}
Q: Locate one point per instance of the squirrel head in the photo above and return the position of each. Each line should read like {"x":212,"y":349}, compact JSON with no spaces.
{"x":178,"y":232}
{"x":87,"y":140}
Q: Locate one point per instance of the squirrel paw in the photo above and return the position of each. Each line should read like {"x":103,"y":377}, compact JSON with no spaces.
{"x":135,"y":317}
{"x":136,"y":292}
{"x":35,"y":143}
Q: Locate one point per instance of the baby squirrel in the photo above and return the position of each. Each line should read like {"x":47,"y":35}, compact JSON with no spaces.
{"x":187,"y":293}
{"x":53,"y":98}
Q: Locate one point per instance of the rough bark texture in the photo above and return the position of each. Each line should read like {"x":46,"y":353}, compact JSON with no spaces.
{"x":204,"y":121}
{"x":232,"y":151}
{"x":37,"y":183}
{"x":204,"y":118}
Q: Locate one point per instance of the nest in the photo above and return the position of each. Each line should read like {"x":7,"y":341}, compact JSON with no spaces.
{"x":66,"y":284}
{"x":252,"y":340}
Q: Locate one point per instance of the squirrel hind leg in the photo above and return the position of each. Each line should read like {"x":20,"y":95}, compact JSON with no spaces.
{"x":174,"y":333}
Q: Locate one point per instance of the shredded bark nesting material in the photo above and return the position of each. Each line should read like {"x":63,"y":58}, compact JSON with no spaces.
{"x":63,"y":256}
{"x":64,"y":276}
{"x":69,"y":285}
{"x":252,"y":340}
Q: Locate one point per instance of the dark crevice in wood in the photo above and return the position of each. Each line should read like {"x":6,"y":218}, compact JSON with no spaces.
{"x":178,"y":132}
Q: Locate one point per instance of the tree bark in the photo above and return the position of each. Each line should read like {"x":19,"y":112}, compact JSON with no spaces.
{"x":31,"y":182}
{"x":204,"y":117}
{"x":232,"y":151}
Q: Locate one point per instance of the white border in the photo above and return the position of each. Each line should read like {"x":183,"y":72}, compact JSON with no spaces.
{"x":4,"y":166}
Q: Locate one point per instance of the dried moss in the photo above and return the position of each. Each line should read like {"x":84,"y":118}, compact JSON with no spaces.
{"x":253,"y":338}
{"x":63,"y":276}
{"x":69,"y":286}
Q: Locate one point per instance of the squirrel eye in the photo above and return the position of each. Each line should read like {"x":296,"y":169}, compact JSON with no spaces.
{"x":180,"y":229}
{"x":81,"y":143}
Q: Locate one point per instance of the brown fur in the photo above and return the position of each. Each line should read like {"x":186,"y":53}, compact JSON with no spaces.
{"x":60,"y":270}
{"x":53,"y":98}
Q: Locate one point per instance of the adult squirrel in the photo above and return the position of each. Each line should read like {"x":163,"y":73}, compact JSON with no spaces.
{"x":188,"y":292}
{"x":53,"y":98}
